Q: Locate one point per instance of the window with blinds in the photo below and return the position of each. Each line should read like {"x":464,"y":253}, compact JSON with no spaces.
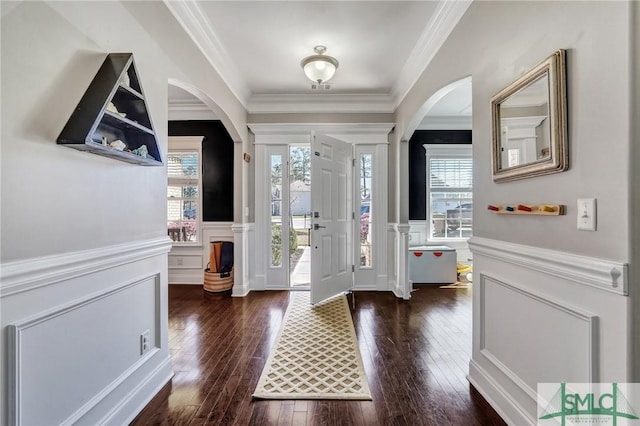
{"x":184,"y":165}
{"x":450,"y":191}
{"x":183,"y":169}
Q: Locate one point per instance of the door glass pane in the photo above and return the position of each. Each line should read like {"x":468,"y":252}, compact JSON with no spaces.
{"x":366,"y":228}
{"x":276,"y":210}
{"x":299,"y":215}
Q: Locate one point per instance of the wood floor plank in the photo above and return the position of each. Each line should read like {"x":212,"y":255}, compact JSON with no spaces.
{"x":285,"y":418}
{"x":299,"y":418}
{"x":415,"y":353}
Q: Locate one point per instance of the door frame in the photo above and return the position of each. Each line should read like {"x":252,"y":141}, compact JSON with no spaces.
{"x":371,"y":136}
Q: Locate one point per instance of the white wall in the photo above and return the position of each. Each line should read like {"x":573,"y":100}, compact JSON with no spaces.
{"x":597,"y":52}
{"x":494,"y":43}
{"x":84,"y":246}
{"x":634,"y":159}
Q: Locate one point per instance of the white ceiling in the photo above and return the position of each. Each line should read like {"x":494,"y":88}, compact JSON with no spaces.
{"x":257,"y":46}
{"x":267,"y":40}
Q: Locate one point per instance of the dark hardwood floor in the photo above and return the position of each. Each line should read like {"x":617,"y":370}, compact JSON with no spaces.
{"x":415,"y":353}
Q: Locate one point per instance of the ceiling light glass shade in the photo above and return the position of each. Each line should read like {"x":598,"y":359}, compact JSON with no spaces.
{"x":319,"y":68}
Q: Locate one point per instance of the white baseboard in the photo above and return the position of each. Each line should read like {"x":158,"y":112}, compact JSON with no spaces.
{"x":141,"y":395}
{"x":500,"y":400}
{"x":240,"y":294}
{"x":186,"y":276}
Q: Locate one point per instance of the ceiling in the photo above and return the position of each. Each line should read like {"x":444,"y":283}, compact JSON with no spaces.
{"x":267,"y":40}
{"x":257,"y":46}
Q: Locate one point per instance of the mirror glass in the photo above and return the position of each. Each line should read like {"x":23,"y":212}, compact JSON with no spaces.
{"x":525,"y":135}
{"x":529,"y":123}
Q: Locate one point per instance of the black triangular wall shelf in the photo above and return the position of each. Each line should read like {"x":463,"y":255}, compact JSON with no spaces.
{"x":114,"y":109}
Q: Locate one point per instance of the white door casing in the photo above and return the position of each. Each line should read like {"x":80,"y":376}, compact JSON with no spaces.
{"x":331,"y":202}
{"x":371,"y":138}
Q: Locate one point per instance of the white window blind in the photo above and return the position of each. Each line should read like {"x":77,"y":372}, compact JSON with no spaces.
{"x":451,"y":174}
{"x":449,"y":191}
{"x":183,"y":215}
{"x":183,"y":165}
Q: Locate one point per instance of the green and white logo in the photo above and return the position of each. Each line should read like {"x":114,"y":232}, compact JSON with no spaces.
{"x":569,"y":404}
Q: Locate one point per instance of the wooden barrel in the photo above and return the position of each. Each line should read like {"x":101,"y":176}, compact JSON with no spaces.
{"x":216,"y":284}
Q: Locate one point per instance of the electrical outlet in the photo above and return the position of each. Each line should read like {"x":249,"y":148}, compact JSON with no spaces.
{"x":144,"y":342}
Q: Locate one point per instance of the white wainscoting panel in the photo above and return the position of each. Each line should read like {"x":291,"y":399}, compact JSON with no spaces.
{"x":41,"y":352}
{"x":418,"y":233}
{"x":73,"y":323}
{"x":561,"y":340}
{"x":185,"y":261}
{"x":541,"y":316}
{"x":215,"y":231}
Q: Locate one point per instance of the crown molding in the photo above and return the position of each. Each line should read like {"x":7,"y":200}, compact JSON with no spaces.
{"x":319,"y":103}
{"x":261,"y":129}
{"x":445,"y":18}
{"x":190,"y":110}
{"x":196,"y":24}
{"x":434,"y":122}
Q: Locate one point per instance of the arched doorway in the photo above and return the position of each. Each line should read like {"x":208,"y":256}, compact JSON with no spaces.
{"x":203,"y":183}
{"x":440,"y":171}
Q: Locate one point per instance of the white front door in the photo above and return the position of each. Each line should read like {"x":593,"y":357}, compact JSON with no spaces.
{"x":331,"y":203}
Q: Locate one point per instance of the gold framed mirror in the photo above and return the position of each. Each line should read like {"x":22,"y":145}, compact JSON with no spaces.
{"x":529,"y":124}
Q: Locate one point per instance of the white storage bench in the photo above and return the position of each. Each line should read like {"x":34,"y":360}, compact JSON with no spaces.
{"x":432,"y":265}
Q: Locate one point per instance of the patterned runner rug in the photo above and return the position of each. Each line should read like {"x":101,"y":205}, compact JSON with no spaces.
{"x":316,"y":354}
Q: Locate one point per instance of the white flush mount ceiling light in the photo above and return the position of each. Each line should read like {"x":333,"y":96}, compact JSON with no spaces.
{"x":319,"y":67}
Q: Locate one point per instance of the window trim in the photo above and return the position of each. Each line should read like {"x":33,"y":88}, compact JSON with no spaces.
{"x":188,"y":144}
{"x":442,"y":150}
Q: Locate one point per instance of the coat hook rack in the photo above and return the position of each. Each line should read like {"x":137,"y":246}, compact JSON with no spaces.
{"x":528,"y":209}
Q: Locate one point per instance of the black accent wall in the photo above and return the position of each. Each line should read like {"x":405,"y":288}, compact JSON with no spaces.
{"x":217,"y":166}
{"x":418,"y":165}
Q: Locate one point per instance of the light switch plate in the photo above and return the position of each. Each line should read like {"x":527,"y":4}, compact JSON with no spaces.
{"x":587,"y":214}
